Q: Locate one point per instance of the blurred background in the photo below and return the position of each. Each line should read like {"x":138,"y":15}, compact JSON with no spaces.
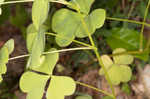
{"x":81,"y":65}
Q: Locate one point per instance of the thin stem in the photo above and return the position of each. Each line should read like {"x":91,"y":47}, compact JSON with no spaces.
{"x":128,"y":52}
{"x":82,"y":43}
{"x":97,"y":55}
{"x":17,"y":57}
{"x":57,"y":51}
{"x":14,"y":2}
{"x":23,"y":1}
{"x":142,"y":29}
{"x":126,"y":20}
{"x":94,"y":88}
{"x":131,"y":9}
{"x":148,"y":44}
{"x":70,"y":49}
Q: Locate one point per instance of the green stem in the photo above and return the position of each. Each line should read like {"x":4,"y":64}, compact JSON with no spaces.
{"x":14,"y":2}
{"x":97,"y":55}
{"x":24,"y":1}
{"x":82,"y":43}
{"x":131,"y":9}
{"x":148,"y":44}
{"x":126,"y":20}
{"x":57,"y":51}
{"x":128,"y":52}
{"x":142,"y":29}
{"x":94,"y":88}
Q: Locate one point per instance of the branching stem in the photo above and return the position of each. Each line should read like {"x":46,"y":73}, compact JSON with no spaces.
{"x":97,"y":55}
{"x":76,"y":41}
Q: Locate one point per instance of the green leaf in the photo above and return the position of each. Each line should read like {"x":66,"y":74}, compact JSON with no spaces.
{"x":1,"y":78}
{"x":93,"y":21}
{"x":126,"y":73}
{"x":33,"y":84}
{"x":98,"y":17}
{"x":84,"y":97}
{"x":127,"y":39}
{"x":107,"y":63}
{"x":65,"y":26}
{"x":62,"y":41}
{"x":107,"y":97}
{"x":115,"y":74}
{"x":122,"y":59}
{"x":3,"y":68}
{"x":126,"y":88}
{"x":60,"y":86}
{"x":119,"y":74}
{"x":143,"y":56}
{"x":36,"y":93}
{"x":38,"y":45}
{"x":40,"y":11}
{"x":1,"y":1}
{"x":4,"y":55}
{"x":31,"y":35}
{"x":31,"y":80}
{"x":0,"y":11}
{"x":124,"y":38}
{"x":69,"y":25}
{"x":83,"y":5}
{"x":10,"y":45}
{"x":49,"y":62}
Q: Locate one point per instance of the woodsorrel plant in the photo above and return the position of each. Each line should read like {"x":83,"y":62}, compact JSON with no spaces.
{"x":74,"y":21}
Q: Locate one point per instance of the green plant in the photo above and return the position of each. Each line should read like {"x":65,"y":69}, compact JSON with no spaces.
{"x":77,"y":21}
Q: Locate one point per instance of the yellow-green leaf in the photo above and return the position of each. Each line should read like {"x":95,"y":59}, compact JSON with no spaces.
{"x":1,"y":78}
{"x":70,"y":24}
{"x":119,"y":74}
{"x":65,"y":26}
{"x":107,"y":63}
{"x":0,"y":11}
{"x":31,"y":35}
{"x":1,"y":1}
{"x":115,"y":74}
{"x":38,"y":46}
{"x":126,"y":73}
{"x":122,"y":59}
{"x":83,"y":5}
{"x":98,"y":17}
{"x":48,"y":63}
{"x":10,"y":45}
{"x":4,"y":55}
{"x":3,"y":68}
{"x":40,"y":11}
{"x":37,"y":92}
{"x":30,"y":80}
{"x":63,"y":39}
{"x":60,"y":86}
